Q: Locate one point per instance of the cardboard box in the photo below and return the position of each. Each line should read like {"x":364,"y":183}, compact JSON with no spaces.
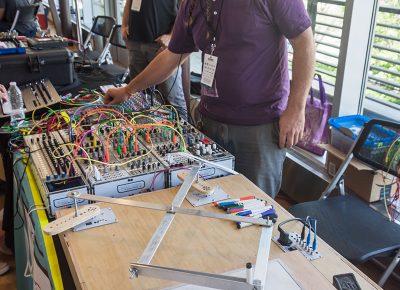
{"x":359,"y":178}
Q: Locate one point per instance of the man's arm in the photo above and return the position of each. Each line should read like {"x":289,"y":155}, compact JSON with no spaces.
{"x":291,"y":123}
{"x":3,"y":94}
{"x":2,"y":9}
{"x":125,"y":19}
{"x":160,"y":68}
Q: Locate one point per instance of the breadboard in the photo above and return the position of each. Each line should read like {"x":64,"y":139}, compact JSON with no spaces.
{"x":70,"y":220}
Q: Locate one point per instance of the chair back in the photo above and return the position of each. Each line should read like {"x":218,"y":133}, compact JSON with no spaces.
{"x":103,"y":25}
{"x":379,"y":146}
{"x":116,"y":38}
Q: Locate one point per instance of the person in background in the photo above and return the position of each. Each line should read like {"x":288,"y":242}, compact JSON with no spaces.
{"x":146,"y":27}
{"x":4,"y":267}
{"x":27,"y":23}
{"x":248,"y":104}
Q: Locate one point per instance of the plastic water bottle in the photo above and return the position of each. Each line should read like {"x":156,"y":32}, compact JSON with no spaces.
{"x":17,"y":104}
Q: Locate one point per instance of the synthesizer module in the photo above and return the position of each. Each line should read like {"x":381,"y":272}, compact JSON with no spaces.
{"x":117,"y":151}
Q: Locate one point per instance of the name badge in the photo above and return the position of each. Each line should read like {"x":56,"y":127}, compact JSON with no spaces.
{"x":136,"y":4}
{"x":209,"y":68}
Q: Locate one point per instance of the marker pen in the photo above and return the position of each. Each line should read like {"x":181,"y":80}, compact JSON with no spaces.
{"x":249,"y":207}
{"x":253,"y":211}
{"x":240,"y":207}
{"x":241,"y":225}
{"x":228,"y":203}
{"x":235,"y":199}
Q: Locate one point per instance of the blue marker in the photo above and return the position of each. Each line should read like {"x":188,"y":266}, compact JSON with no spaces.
{"x":267,"y":214}
{"x":254,"y":211}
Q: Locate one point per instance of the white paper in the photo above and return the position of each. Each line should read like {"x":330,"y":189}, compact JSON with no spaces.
{"x":136,"y":4}
{"x":277,"y":279}
{"x":209,"y":68}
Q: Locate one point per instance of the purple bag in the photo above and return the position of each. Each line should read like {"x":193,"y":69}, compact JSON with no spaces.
{"x":316,"y":128}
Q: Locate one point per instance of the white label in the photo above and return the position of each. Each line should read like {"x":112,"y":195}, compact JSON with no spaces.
{"x":209,"y":68}
{"x":136,"y":4}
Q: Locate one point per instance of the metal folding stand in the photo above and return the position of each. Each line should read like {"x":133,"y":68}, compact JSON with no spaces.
{"x":78,"y":3}
{"x":255,"y":278}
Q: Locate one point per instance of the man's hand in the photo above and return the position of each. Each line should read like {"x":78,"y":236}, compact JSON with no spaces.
{"x":163,"y":41}
{"x":3,"y":94}
{"x":125,"y":32}
{"x":115,"y":96}
{"x":291,"y":126}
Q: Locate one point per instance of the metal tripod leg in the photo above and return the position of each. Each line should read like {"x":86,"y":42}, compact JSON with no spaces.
{"x":389,"y":269}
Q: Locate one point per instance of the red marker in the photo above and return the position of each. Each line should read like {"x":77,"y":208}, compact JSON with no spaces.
{"x":234,"y":200}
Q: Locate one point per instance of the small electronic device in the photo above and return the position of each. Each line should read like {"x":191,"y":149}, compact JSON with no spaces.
{"x":346,"y":282}
{"x":11,"y":46}
{"x":292,"y":241}
{"x":47,"y":42}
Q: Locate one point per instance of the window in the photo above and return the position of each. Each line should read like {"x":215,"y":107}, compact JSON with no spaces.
{"x":327,"y":21}
{"x":120,"y":10}
{"x":384,"y":75}
{"x":89,"y":9}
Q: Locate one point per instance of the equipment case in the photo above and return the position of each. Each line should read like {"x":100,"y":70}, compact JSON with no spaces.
{"x":53,"y":64}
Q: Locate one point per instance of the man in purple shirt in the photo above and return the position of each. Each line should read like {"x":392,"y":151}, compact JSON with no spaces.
{"x":247,"y":104}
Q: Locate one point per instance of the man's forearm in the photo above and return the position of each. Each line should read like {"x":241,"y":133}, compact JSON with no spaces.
{"x":159,"y":70}
{"x":302,"y":69}
{"x":125,"y":17}
{"x":2,"y":12}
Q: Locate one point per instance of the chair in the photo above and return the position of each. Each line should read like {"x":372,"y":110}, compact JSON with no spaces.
{"x":348,"y":224}
{"x":117,"y":40}
{"x":102,"y":26}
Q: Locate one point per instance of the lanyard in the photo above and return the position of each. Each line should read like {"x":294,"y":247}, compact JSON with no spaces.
{"x":210,"y":23}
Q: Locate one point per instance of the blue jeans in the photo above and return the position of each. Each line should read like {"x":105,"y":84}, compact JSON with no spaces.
{"x":140,"y":55}
{"x":256,"y":150}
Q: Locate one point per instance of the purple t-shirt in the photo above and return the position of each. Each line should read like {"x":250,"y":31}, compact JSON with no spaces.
{"x":252,"y":77}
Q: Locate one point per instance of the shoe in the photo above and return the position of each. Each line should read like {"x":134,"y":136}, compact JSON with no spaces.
{"x":4,"y":267}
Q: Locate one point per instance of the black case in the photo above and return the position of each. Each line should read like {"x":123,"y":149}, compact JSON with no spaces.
{"x":53,"y":64}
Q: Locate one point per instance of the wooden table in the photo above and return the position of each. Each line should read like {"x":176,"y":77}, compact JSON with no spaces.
{"x":99,"y":258}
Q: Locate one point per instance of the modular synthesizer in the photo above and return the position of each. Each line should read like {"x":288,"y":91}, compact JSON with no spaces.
{"x":56,"y":173}
{"x":116,"y":151}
